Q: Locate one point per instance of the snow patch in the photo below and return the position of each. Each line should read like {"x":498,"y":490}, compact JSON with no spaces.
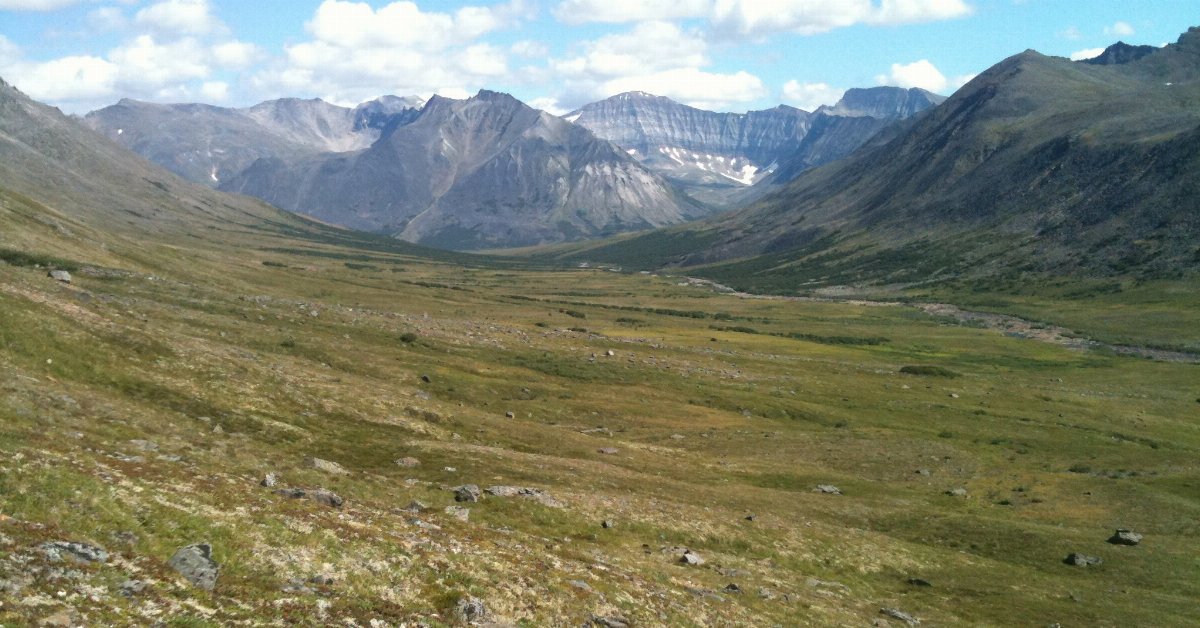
{"x":122,"y":131}
{"x":573,"y":118}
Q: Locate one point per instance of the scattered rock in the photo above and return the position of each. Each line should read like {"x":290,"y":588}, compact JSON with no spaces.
{"x":677,"y":437}
{"x":609,"y":450}
{"x":957,"y":492}
{"x":920,"y":582}
{"x":408,"y":462}
{"x":1082,"y":560}
{"x":691,"y":558}
{"x":471,"y":609}
{"x":426,"y":379}
{"x":326,"y":498}
{"x":144,"y":445}
{"x":610,"y":353}
{"x":195,"y":563}
{"x":60,"y":275}
{"x":132,"y":588}
{"x":318,"y":495}
{"x":608,"y":524}
{"x":509,"y":415}
{"x":901,"y":615}
{"x":458,"y":512}
{"x":924,"y":472}
{"x":467,"y":493}
{"x":609,"y":621}
{"x":766,"y":593}
{"x":751,"y":517}
{"x":59,"y":551}
{"x":828,"y":489}
{"x":269,"y":481}
{"x":324,"y":465}
{"x":581,"y":585}
{"x":732,"y":588}
{"x":1125,"y":537}
{"x":535,"y":494}
{"x":415,"y":506}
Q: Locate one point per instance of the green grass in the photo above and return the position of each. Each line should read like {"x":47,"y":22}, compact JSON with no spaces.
{"x":221,"y":363}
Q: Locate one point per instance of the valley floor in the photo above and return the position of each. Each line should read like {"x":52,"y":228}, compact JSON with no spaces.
{"x":139,"y":411}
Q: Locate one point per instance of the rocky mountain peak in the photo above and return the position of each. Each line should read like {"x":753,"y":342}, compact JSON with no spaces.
{"x":1120,"y":53}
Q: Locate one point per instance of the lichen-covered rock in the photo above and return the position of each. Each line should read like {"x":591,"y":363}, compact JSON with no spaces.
{"x":59,"y":551}
{"x":196,"y":565}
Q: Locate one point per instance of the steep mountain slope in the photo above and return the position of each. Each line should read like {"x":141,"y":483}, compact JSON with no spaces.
{"x":1038,"y":164}
{"x":84,"y":181}
{"x":484,"y":172}
{"x":714,"y":154}
{"x":209,"y":144}
{"x":691,"y":144}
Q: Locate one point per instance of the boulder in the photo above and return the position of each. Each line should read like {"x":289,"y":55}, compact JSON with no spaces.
{"x":1125,"y":537}
{"x":269,"y":481}
{"x":467,"y":493}
{"x":1076,"y":559}
{"x":60,"y":275}
{"x":901,"y":615}
{"x":535,"y":494}
{"x":408,"y":462}
{"x":609,"y":451}
{"x":957,"y":492}
{"x":828,"y":489}
{"x":691,"y":558}
{"x":196,"y":565}
{"x":324,"y":465}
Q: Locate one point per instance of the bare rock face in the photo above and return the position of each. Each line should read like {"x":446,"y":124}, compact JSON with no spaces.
{"x":208,"y":145}
{"x":484,"y":172}
{"x":707,"y":151}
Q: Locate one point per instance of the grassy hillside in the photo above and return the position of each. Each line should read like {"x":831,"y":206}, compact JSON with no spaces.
{"x":244,"y":356}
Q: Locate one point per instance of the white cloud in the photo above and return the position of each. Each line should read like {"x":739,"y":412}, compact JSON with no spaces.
{"x":107,"y":19}
{"x":35,"y":5}
{"x":357,"y":51}
{"x":1072,"y":33}
{"x":915,"y":11}
{"x":68,"y":78}
{"x":619,"y":11}
{"x":921,"y":74}
{"x":214,"y":91}
{"x":235,"y":54}
{"x":1089,"y":53}
{"x":810,"y":96}
{"x":188,"y":17}
{"x":648,"y":48}
{"x":1120,"y":29}
{"x":755,"y":18}
{"x":145,"y":63}
{"x":530,"y":49}
{"x":694,"y":87}
{"x":548,"y":104}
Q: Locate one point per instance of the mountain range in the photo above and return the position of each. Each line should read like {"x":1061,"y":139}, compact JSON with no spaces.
{"x":714,"y":155}
{"x":1039,"y":164}
{"x":491,"y":172}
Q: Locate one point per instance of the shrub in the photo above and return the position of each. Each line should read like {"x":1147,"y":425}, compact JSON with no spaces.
{"x":408,"y":337}
{"x":928,"y":371}
{"x":574,"y":313}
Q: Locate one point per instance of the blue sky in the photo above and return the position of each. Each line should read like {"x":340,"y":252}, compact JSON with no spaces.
{"x":731,"y":55}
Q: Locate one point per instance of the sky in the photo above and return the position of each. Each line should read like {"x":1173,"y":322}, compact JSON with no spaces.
{"x":725,"y":55}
